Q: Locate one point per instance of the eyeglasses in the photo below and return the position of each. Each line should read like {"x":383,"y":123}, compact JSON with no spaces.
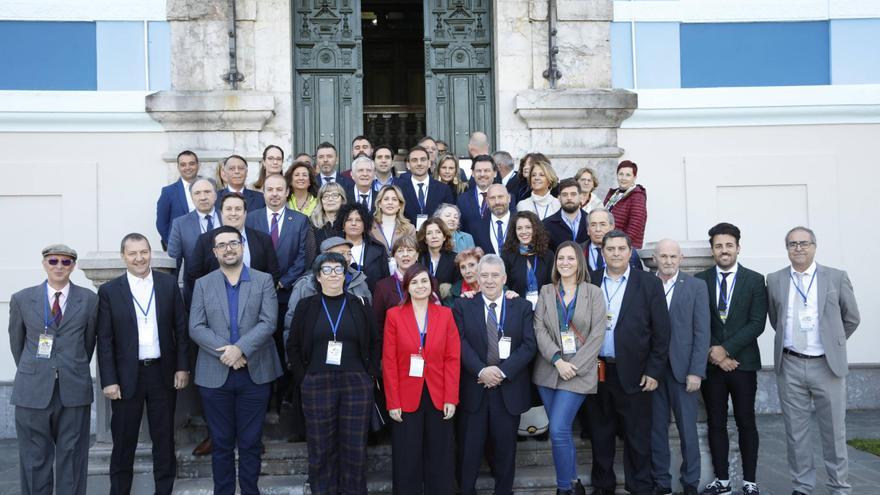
{"x":793,"y":245}
{"x":224,"y":246}
{"x":332,"y":270}
{"x":332,"y":195}
{"x":54,"y":261}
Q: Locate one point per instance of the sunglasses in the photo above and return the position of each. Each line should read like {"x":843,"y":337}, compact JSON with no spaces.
{"x":54,"y":261}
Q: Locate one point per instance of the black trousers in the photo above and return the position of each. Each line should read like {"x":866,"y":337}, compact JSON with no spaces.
{"x":422,"y":449}
{"x":125,"y":424}
{"x":740,"y":387}
{"x":494,"y":423}
{"x":612,"y":408}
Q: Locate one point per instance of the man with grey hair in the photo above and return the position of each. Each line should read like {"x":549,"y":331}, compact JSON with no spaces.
{"x":363,"y":172}
{"x":506,"y":171}
{"x":185,"y":230}
{"x":600,"y":221}
{"x":497,"y":345}
{"x":813,"y":310}
{"x":235,"y":170}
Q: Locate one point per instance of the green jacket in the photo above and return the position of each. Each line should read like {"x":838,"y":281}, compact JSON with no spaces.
{"x":746,"y":317}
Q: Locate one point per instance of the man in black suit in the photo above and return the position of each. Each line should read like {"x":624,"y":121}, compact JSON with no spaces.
{"x":634,"y":354}
{"x":491,"y":232}
{"x":422,"y":193}
{"x":326,"y":163}
{"x":497,"y":345}
{"x":600,"y":221}
{"x":363,"y":172}
{"x":570,"y":222}
{"x":235,"y":169}
{"x":507,"y":171}
{"x":142,"y":357}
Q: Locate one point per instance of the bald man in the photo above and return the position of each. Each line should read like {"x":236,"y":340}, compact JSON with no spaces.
{"x":478,"y":144}
{"x":490,"y":232}
{"x":688,"y":301}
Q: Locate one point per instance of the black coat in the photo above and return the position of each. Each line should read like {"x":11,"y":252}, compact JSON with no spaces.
{"x":516,"y":267}
{"x":446,"y":272}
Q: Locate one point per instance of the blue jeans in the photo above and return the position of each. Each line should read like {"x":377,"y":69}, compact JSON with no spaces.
{"x":562,"y":406}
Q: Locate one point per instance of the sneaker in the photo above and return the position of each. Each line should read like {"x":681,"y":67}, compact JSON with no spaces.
{"x":716,"y":488}
{"x":751,"y":490}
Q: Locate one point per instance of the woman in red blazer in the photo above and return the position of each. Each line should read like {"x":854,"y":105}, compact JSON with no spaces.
{"x":421,"y":362}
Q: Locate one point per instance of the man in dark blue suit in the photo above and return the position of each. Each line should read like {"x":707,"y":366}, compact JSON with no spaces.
{"x":599,"y":222}
{"x":497,"y":345}
{"x":185,"y":230}
{"x":235,"y":170}
{"x":570,"y":222}
{"x":142,"y":358}
{"x":363,"y":173}
{"x":326,"y":163}
{"x":473,"y":203}
{"x":422,"y":193}
{"x":174,"y":201}
{"x":491,"y":232}
{"x":635,"y":355}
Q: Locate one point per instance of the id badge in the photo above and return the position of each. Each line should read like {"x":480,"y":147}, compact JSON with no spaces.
{"x":609,"y":319}
{"x":532,"y":297}
{"x":806,"y":320}
{"x":420,"y":219}
{"x":334,"y":353}
{"x":44,"y":346}
{"x":416,"y":365}
{"x":569,"y":344}
{"x":504,"y":348}
{"x":723,"y":315}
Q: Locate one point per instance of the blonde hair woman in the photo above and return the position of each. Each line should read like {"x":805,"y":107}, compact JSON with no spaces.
{"x":448,"y":171}
{"x":390,"y":224}
{"x":331,"y":197}
{"x":542,"y":178}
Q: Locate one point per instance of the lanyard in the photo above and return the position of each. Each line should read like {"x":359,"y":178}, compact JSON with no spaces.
{"x":431,"y":265}
{"x":573,"y":226}
{"x":567,"y":310}
{"x":726,"y":297}
{"x":485,"y":204}
{"x":802,"y":294}
{"x":498,"y":324}
{"x":532,"y":274}
{"x":670,"y":289}
{"x":423,"y":330}
{"x":605,"y":287}
{"x":149,"y":304}
{"x":535,"y":205}
{"x":385,"y":237}
{"x":334,"y":327}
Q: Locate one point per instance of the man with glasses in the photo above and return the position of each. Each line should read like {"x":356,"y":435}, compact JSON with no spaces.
{"x":52,"y":331}
{"x":810,"y":359}
{"x":422,"y":193}
{"x":235,"y":170}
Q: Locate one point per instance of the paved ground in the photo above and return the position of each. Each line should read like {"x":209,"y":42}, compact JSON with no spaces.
{"x":773,"y":476}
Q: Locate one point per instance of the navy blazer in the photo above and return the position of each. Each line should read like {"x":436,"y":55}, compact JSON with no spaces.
{"x":516,"y":267}
{"x":516,"y":388}
{"x":483,"y":235}
{"x":559,"y":232}
{"x":118,"y":332}
{"x":171,"y":204}
{"x":438,"y":193}
{"x":689,"y":317}
{"x":471,"y":216}
{"x":641,"y":337}
{"x":291,"y":250}
{"x":253,"y":199}
{"x":354,"y":197}
{"x":343,"y":180}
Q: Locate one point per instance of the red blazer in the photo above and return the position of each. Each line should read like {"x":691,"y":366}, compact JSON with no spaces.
{"x":442,"y":356}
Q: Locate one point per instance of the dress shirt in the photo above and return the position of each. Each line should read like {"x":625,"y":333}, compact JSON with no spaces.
{"x":506,"y":178}
{"x":486,"y":308}
{"x":269,"y":213}
{"x":669,"y":288}
{"x":246,"y":259}
{"x":378,"y":184}
{"x":614,"y":289}
{"x":325,"y":177}
{"x":203,"y":224}
{"x":593,"y":257}
{"x":62,"y":301}
{"x":795,"y":303}
{"x":148,"y":329}
{"x":232,"y":302}
{"x":357,"y":254}
{"x":240,"y":191}
{"x":493,"y":230}
{"x":569,"y":224}
{"x":357,"y":196}
{"x":190,"y":206}
{"x":415,"y":182}
{"x":730,"y":284}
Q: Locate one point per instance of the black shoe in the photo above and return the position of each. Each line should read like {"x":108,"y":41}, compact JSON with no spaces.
{"x":690,"y":490}
{"x":602,"y":491}
{"x":716,"y":488}
{"x":564,"y":492}
{"x":662,"y":491}
{"x":578,"y":488}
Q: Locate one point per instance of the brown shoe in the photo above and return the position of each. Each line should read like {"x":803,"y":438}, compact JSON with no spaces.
{"x":203,"y":448}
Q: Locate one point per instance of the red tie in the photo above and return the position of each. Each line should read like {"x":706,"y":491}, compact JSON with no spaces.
{"x":56,"y":309}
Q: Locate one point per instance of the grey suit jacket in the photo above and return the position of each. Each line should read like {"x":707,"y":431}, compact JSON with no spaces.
{"x":689,"y":315}
{"x":185,"y":231}
{"x":838,"y":313}
{"x":72,"y":348}
{"x":209,"y":327}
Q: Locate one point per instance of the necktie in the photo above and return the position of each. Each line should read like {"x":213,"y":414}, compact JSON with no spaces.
{"x":722,"y":298}
{"x":210,"y":222}
{"x":499,"y":234}
{"x":600,"y":261}
{"x":799,"y":337}
{"x":483,"y":204}
{"x":492,"y":358}
{"x":328,"y":180}
{"x":422,"y":197}
{"x":364,"y":200}
{"x":56,"y":309}
{"x":274,"y":230}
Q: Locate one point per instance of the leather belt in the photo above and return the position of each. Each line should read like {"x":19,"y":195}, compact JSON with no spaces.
{"x":149,"y":362}
{"x":799,"y":355}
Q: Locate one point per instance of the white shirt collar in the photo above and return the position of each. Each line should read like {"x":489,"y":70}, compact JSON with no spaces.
{"x":508,"y":177}
{"x":809,"y":272}
{"x":732,"y":270}
{"x":504,"y":219}
{"x":134,"y":281}
{"x":489,"y":302}
{"x":671,"y":280}
{"x":240,"y":191}
{"x":65,"y":291}
{"x":424,"y":181}
{"x":625,"y":274}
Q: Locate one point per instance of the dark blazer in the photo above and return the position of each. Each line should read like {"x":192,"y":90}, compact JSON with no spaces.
{"x":518,"y":325}
{"x":291,"y":250}
{"x":689,"y":316}
{"x":484,"y":231}
{"x":471,"y":217}
{"x":446,"y":272}
{"x":516,"y":267}
{"x":375,"y":265}
{"x":204,"y":262}
{"x":253,"y":199}
{"x":352,"y":197}
{"x":438,"y":193}
{"x":513,"y":187}
{"x":641,"y":337}
{"x":385,"y":297}
{"x":343,"y":180}
{"x":118,"y":332}
{"x":746,"y":316}
{"x":171,"y":204}
{"x":559,"y":232}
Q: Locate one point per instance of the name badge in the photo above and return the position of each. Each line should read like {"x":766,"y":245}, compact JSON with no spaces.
{"x":504,"y":348}
{"x":416,"y":365}
{"x":420,"y":219}
{"x":609,"y":319}
{"x":334,"y":353}
{"x":44,"y":346}
{"x":569,"y":344}
{"x":806,"y":320}
{"x":723,"y":315}
{"x":532,"y":297}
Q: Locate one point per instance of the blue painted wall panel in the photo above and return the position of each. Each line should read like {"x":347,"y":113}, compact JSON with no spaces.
{"x":47,"y":55}
{"x":658,"y":56}
{"x":120,"y":50}
{"x":160,"y":55}
{"x":621,"y":55}
{"x":755,"y":54}
{"x":855,"y":51}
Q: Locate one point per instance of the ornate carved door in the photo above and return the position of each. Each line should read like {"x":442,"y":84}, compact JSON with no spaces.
{"x":458,"y":71}
{"x":328,"y":76}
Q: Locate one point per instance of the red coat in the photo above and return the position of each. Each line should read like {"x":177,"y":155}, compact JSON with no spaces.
{"x":631,"y":214}
{"x":442,"y":355}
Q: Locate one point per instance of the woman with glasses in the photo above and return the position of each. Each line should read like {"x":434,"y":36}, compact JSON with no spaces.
{"x":435,"y":253}
{"x":334,"y":351}
{"x":421,"y":356}
{"x":589,"y":181}
{"x":389,"y":290}
{"x":451,"y":216}
{"x":569,"y":327}
{"x":368,"y":256}
{"x":303,"y":185}
{"x":331,"y":197}
{"x":271,"y":164}
{"x":526,"y":258}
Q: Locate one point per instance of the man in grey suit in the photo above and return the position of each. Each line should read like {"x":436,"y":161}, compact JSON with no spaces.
{"x":232,"y":320}
{"x":688,"y":301}
{"x":813,"y":310}
{"x":52,"y":332}
{"x":186,"y":229}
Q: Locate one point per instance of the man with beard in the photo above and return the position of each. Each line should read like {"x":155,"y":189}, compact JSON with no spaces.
{"x":569,"y":223}
{"x":491,"y":232}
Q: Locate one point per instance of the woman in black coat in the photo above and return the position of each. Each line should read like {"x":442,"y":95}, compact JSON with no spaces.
{"x":367,"y":254}
{"x":527,"y":260}
{"x":436,"y":253}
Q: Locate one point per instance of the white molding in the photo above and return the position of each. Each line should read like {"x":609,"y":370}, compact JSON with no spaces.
{"x":787,"y":105}
{"x":743,"y":10}
{"x":83,"y":10}
{"x":75,"y":111}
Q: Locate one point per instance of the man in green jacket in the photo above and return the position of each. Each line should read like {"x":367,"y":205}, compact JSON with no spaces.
{"x":738,"y":307}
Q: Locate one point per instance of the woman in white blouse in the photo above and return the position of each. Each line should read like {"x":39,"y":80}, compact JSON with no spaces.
{"x":542,"y":178}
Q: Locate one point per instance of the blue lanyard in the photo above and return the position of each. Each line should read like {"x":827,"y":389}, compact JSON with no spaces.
{"x":670,"y":289}
{"x":387,"y":242}
{"x":605,"y":287}
{"x":573,"y":226}
{"x":532,"y":274}
{"x":423,"y":331}
{"x":498,"y":324}
{"x":535,"y":205}
{"x":149,"y":304}
{"x":726,"y":297}
{"x":802,"y":294}
{"x":363,"y":252}
{"x":567,"y":309}
{"x":334,"y":327}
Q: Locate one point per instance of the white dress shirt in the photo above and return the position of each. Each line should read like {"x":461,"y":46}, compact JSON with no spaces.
{"x":506,"y":178}
{"x":269,"y":213}
{"x":215,"y":220}
{"x":486,"y":303}
{"x":190,"y":206}
{"x":357,"y":196}
{"x":795,"y":305}
{"x":144,"y":300}
{"x":669,"y":288}
{"x":493,"y":230}
{"x":426,"y":181}
{"x":246,"y":250}
{"x":62,"y":300}
{"x":731,"y":281}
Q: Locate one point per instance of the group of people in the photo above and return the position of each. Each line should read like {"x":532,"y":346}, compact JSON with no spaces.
{"x":443,"y":305}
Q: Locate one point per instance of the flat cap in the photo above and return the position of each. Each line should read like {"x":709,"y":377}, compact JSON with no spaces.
{"x":331,"y":242}
{"x":59,"y":249}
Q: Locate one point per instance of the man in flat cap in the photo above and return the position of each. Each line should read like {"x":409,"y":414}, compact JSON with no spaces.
{"x":52,"y":328}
